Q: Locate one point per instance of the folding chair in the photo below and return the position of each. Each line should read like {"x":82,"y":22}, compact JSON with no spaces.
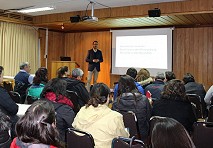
{"x":196,"y":101}
{"x":8,"y":86}
{"x":210,"y":114}
{"x":122,"y":142}
{"x":73,"y":96}
{"x":79,"y":139}
{"x":15,"y":96}
{"x":202,"y":134}
{"x":130,"y":122}
{"x":31,"y":99}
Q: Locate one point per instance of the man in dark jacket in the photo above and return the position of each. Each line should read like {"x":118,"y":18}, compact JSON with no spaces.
{"x":7,"y":105}
{"x":76,"y":85}
{"x":94,"y":58}
{"x":156,"y":87}
{"x":23,"y":80}
{"x":193,"y":87}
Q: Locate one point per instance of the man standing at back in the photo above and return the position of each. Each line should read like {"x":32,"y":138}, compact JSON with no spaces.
{"x":23,"y":80}
{"x":94,"y":58}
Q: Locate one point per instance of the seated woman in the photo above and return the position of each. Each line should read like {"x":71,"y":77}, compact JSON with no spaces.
{"x":55,"y":92}
{"x":169,"y":133}
{"x":130,"y":99}
{"x":174,"y":104}
{"x":7,"y":105}
{"x":5,"y":127}
{"x":37,"y":128}
{"x":63,"y":72}
{"x":39,"y":82}
{"x":98,"y":119}
{"x":143,"y":77}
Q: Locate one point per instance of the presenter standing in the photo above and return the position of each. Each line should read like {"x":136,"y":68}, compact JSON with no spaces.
{"x":94,"y":58}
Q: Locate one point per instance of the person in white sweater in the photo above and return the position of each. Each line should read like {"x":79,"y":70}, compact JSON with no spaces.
{"x":98,"y":119}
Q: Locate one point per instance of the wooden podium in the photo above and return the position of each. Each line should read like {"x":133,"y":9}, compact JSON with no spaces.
{"x":55,"y":65}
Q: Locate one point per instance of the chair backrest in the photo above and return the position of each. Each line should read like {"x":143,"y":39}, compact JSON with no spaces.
{"x":121,"y":142}
{"x":79,"y":139}
{"x":196,"y":101}
{"x":202,"y":134}
{"x":31,"y":99}
{"x":15,"y":96}
{"x":8,"y":86}
{"x":73,"y":96}
{"x":130,"y":122}
{"x":210,"y":114}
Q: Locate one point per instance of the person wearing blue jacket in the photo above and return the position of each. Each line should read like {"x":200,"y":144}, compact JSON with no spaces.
{"x":132,"y":72}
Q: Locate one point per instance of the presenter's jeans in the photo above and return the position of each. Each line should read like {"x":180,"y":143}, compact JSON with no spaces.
{"x":89,"y":78}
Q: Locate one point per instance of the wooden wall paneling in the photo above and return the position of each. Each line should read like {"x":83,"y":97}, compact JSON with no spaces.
{"x":81,"y":43}
{"x":42,"y":37}
{"x":204,"y":66}
{"x":192,"y":52}
{"x":209,"y":57}
{"x":55,"y":47}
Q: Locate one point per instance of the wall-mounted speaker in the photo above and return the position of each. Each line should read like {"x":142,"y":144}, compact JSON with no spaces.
{"x":154,"y":13}
{"x":75,"y":19}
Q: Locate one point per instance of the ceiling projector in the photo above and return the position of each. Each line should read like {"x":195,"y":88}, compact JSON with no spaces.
{"x":89,"y":18}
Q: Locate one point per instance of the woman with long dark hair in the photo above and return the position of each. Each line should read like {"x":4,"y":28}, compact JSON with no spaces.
{"x":39,"y":82}
{"x":169,"y":133}
{"x":37,"y":128}
{"x":130,"y":99}
{"x":55,"y":92}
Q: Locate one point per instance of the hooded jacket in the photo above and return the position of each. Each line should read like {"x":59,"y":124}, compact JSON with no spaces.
{"x":140,"y":106}
{"x":102,"y":123}
{"x":78,"y":87}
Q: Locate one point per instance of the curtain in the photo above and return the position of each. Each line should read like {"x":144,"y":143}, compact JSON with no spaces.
{"x":18,"y":43}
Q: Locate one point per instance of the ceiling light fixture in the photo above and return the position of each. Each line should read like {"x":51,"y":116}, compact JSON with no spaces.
{"x":36,"y":9}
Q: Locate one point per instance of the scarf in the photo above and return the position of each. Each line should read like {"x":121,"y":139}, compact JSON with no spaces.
{"x":61,"y":99}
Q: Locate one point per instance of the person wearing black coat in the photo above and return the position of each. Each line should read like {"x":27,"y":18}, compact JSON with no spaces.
{"x":55,"y":92}
{"x":7,"y":105}
{"x":75,"y":84}
{"x":130,"y":99}
{"x":174,"y":104}
{"x":94,"y":58}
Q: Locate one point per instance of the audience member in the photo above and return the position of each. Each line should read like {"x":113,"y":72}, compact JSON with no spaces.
{"x":7,"y":105}
{"x":130,"y":99}
{"x":156,"y":87}
{"x":63,"y":72}
{"x":39,"y":82}
{"x":193,"y":87}
{"x":5,"y":128}
{"x":132,"y":72}
{"x":209,"y":97}
{"x":99,"y":120}
{"x":55,"y":92}
{"x":143,"y":77}
{"x":169,"y":133}
{"x":75,"y":84}
{"x":23,"y":80}
{"x":174,"y":104}
{"x":37,"y":128}
{"x":169,"y":76}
